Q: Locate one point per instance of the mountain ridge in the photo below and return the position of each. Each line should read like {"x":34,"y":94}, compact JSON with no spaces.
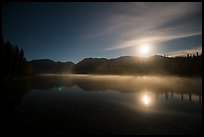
{"x":124,"y":65}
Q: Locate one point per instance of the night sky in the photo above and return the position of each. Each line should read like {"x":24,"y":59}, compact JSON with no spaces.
{"x":73,"y":31}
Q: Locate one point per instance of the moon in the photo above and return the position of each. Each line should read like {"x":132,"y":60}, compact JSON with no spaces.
{"x":146,"y":100}
{"x":144,"y":49}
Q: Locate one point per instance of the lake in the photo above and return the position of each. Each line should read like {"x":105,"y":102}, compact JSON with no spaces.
{"x":105,"y":104}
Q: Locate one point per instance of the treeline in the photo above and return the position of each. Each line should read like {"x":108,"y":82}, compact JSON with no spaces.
{"x":13,"y":61}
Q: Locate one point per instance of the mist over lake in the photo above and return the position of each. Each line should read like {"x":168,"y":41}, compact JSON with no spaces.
{"x":106,"y":104}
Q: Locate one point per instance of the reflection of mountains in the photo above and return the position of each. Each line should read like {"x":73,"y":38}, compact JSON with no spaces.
{"x":123,"y":84}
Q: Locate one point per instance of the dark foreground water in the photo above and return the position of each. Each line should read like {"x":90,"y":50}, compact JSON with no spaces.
{"x":84,"y":104}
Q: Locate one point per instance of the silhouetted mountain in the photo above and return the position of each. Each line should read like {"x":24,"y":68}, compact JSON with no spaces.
{"x":183,"y":66}
{"x":191,"y":66}
{"x":93,"y":65}
{"x":49,"y":66}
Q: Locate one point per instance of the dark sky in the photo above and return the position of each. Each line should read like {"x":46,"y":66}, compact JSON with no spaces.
{"x":73,"y":31}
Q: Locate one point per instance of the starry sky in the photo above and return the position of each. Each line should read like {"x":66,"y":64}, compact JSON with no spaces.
{"x":73,"y":31}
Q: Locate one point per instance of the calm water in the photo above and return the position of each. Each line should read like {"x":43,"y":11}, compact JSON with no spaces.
{"x":84,"y":104}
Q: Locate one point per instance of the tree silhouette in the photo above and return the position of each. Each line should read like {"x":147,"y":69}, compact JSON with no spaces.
{"x":22,"y":54}
{"x":14,"y":62}
{"x":187,"y":55}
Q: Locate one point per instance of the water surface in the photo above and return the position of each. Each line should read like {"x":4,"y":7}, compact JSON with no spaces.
{"x":96,"y":104}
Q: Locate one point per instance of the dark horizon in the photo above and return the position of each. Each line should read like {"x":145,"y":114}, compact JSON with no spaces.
{"x":16,"y":64}
{"x":166,"y":56}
